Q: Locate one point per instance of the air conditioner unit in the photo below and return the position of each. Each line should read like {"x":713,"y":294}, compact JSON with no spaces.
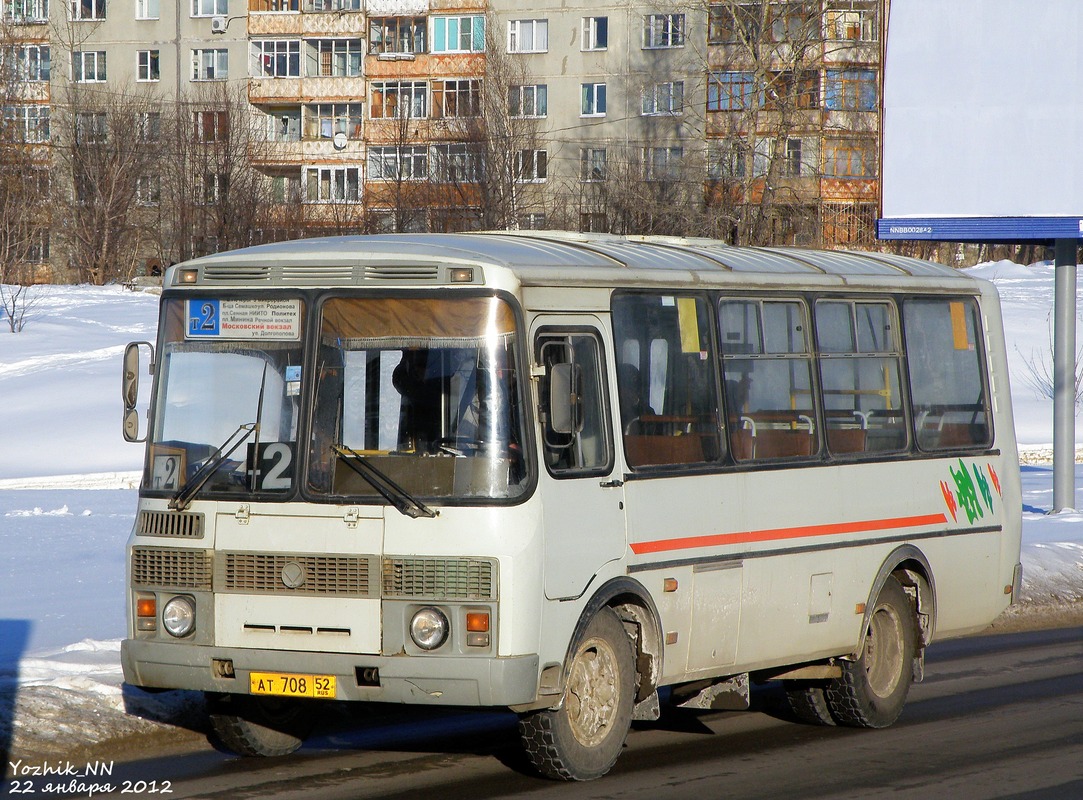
{"x":218,"y":24}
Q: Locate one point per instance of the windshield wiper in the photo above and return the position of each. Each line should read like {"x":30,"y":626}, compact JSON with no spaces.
{"x":390,"y":491}
{"x":191,"y":487}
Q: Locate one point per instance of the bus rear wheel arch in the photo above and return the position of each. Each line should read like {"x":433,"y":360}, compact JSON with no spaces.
{"x":873,"y":687}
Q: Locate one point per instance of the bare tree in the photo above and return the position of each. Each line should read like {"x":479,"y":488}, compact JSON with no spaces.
{"x":24,"y":174}
{"x":763,"y":98}
{"x":103,"y":153}
{"x":216,"y":198}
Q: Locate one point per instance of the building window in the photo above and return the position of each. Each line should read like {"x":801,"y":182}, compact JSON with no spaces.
{"x":850,"y":158}
{"x":33,"y":63}
{"x":147,"y":9}
{"x":324,"y":120}
{"x":333,"y":185}
{"x":854,"y":21}
{"x":210,"y":8}
{"x":792,"y":164}
{"x":664,"y":98}
{"x":595,"y":33}
{"x":455,"y":163}
{"x":88,"y":66}
{"x":335,"y":58}
{"x":286,"y":188}
{"x":210,"y":65}
{"x":794,"y":22}
{"x":30,"y":122}
{"x":593,"y":100}
{"x":276,"y":58}
{"x":210,"y":126}
{"x":24,"y":12}
{"x":410,"y":163}
{"x":215,"y":187}
{"x":87,"y":9}
{"x":274,"y":6}
{"x":91,"y":127}
{"x":150,"y":126}
{"x":532,"y":222}
{"x":37,"y":249}
{"x":531,"y":166}
{"x":397,"y":35}
{"x":148,"y":65}
{"x":733,"y":23}
{"x":727,"y":159}
{"x":733,"y":91}
{"x":283,"y":126}
{"x":148,"y":190}
{"x":529,"y":100}
{"x":528,"y":36}
{"x":663,"y":30}
{"x":458,"y":34}
{"x":456,"y":98}
{"x":662,"y":163}
{"x":334,"y":5}
{"x":791,"y":90}
{"x":593,"y":222}
{"x":398,"y":99}
{"x":851,"y":89}
{"x":592,"y":164}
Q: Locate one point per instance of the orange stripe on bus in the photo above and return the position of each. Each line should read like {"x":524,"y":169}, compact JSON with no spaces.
{"x":779,"y":534}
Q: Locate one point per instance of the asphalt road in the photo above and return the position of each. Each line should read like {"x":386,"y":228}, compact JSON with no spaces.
{"x":996,"y":717}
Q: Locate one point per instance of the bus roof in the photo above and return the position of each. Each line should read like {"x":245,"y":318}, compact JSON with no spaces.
{"x":542,"y":257}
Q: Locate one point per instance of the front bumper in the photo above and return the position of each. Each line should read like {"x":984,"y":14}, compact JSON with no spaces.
{"x":446,"y":681}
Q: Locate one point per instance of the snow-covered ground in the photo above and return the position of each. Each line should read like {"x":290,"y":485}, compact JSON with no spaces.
{"x":67,"y":502}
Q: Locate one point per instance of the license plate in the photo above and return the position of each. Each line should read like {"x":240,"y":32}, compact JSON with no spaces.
{"x":291,"y":685}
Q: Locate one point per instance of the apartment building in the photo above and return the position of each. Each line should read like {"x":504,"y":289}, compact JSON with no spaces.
{"x":756,"y":120}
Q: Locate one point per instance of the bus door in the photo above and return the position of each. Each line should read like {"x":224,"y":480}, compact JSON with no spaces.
{"x":583,"y":499}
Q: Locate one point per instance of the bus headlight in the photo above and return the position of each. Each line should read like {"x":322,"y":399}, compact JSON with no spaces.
{"x":429,"y":628}
{"x":179,"y":616}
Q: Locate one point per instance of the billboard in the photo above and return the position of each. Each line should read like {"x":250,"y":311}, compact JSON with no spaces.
{"x":982,"y":120}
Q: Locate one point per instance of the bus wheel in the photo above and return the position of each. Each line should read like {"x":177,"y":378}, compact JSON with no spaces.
{"x":872,"y":689}
{"x":808,"y":703}
{"x":259,"y":726}
{"x":582,"y":739}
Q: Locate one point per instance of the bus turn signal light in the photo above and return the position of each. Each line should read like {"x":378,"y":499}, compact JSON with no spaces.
{"x":146,"y":613}
{"x":477,"y":622}
{"x":477,"y":627}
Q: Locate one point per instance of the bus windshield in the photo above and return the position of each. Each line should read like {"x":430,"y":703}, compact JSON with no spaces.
{"x":418,"y":394}
{"x":228,"y":398}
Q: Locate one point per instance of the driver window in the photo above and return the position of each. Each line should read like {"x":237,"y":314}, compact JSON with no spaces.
{"x":572,"y":403}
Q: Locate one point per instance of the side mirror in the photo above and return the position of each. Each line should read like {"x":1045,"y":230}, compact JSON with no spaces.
{"x":565,"y":399}
{"x":129,"y":389}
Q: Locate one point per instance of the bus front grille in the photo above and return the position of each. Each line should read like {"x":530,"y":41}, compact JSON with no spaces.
{"x":185,"y":524}
{"x":439,"y":578}
{"x":171,"y":566}
{"x":284,"y":573}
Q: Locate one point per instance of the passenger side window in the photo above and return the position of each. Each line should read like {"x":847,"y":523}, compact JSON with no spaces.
{"x":861,"y":376}
{"x":572,"y":402}
{"x":947,"y":389}
{"x":767,"y":367}
{"x":666,"y":379}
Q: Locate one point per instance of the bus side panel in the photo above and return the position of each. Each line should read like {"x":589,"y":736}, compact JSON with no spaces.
{"x":803,"y":548}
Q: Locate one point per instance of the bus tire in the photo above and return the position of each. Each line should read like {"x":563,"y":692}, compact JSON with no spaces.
{"x":872,"y":690}
{"x":259,"y":726}
{"x":808,"y":703}
{"x":582,"y":739}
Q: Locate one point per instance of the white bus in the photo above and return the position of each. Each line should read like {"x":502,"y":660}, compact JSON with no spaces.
{"x":558,"y":473}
